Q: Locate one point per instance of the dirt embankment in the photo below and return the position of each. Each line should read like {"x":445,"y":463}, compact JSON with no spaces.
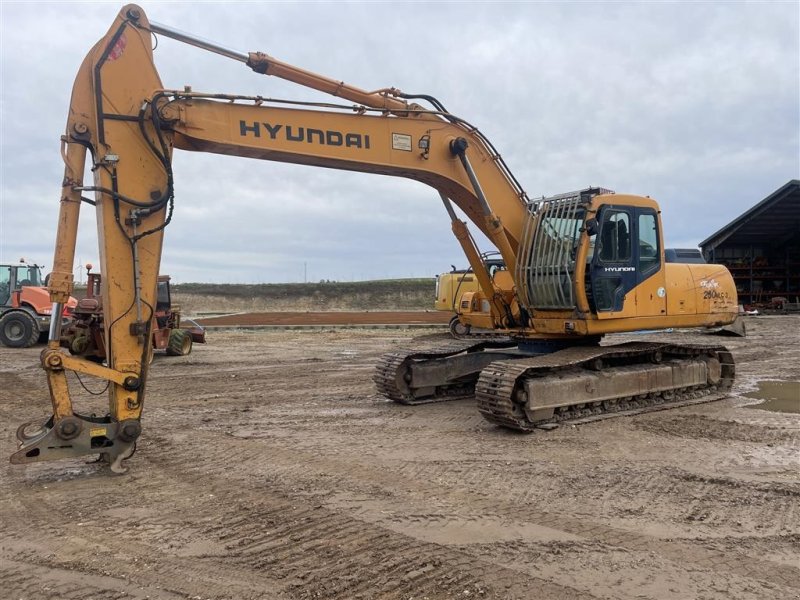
{"x":389,"y":295}
{"x":269,"y":468}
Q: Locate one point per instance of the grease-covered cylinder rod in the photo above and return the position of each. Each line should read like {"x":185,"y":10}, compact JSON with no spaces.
{"x":192,"y":40}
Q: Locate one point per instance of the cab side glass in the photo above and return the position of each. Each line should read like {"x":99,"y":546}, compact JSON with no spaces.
{"x":5,"y":285}
{"x":649,"y":252}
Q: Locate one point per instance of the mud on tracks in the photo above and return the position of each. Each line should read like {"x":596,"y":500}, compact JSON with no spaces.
{"x":270,"y":468}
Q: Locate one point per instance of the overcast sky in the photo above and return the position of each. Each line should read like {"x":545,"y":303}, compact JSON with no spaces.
{"x":694,"y":104}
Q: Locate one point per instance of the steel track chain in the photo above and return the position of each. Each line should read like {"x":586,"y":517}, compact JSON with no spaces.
{"x":392,"y":368}
{"x":495,"y":388}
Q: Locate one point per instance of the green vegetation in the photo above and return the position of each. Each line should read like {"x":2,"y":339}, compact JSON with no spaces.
{"x":301,"y":290}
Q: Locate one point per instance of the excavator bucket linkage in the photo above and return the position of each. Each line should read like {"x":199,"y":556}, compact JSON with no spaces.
{"x":77,"y":435}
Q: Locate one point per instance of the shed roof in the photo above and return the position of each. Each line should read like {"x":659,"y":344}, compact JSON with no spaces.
{"x":774,"y":220}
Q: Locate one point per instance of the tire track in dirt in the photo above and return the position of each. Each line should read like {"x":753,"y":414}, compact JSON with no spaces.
{"x":295,"y":469}
{"x":307,"y":550}
{"x":701,"y":498}
{"x":300,"y":540}
{"x":296,"y":481}
{"x":614,"y":568}
{"x":116,"y":540}
{"x":644,"y":493}
{"x":783,"y":549}
{"x":33,"y":581}
{"x":39,"y":582}
{"x":654,"y":491}
{"x":702,"y":427}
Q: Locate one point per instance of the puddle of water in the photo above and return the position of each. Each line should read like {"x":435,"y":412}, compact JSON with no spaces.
{"x":777,"y":396}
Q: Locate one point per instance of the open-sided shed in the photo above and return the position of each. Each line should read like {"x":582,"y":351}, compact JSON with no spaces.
{"x":761,"y":248}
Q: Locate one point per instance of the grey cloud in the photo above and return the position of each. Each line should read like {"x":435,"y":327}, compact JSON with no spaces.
{"x":693,"y":104}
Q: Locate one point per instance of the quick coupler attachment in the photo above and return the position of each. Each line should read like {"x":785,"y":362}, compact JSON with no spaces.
{"x":78,"y":435}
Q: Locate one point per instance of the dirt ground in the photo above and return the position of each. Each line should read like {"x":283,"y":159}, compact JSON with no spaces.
{"x":269,"y":468}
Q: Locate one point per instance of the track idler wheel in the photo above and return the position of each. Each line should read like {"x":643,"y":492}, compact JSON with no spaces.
{"x":457,"y":329}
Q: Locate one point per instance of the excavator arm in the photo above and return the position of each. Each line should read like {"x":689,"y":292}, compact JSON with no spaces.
{"x":127,"y":124}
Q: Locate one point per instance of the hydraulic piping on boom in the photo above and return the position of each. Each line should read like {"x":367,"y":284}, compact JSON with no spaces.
{"x":578,"y":265}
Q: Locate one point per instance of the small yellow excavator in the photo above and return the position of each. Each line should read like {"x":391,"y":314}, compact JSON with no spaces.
{"x":453,"y":285}
{"x":578,"y":265}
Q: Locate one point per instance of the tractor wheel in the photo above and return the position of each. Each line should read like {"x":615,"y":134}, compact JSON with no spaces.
{"x":18,"y":330}
{"x":180,"y":342}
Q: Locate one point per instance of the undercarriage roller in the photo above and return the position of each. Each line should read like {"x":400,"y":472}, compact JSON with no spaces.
{"x":438,"y":374}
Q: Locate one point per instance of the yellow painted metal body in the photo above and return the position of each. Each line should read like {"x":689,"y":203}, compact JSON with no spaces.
{"x":451,"y":286}
{"x":115,"y":77}
{"x":129,"y":124}
{"x":692,"y":295}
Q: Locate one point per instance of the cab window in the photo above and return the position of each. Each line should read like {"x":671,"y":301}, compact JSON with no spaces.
{"x":615,"y":242}
{"x":649,"y":251}
{"x":5,"y":284}
{"x":28,"y":276}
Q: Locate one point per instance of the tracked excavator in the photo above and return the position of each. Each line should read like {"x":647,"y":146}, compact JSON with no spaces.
{"x":579,"y":265}
{"x":451,"y":287}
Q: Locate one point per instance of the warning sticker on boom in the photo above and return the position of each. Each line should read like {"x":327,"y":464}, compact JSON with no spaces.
{"x":401,"y":141}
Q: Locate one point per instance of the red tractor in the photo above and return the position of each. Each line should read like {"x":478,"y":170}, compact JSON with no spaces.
{"x":85,"y":336}
{"x":25,"y":307}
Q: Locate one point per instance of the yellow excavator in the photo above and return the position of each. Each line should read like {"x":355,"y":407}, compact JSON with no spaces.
{"x":453,"y":285}
{"x":578,"y":265}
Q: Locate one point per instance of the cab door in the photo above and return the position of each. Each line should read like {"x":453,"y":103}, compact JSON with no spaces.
{"x":651,"y":295}
{"x":613,"y":267}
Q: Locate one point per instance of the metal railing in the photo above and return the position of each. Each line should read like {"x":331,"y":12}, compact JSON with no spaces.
{"x":546,"y":267}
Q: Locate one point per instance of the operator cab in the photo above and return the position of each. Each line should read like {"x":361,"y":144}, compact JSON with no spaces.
{"x":623,"y":250}
{"x":163,"y":302}
{"x":14,"y":277}
{"x":626,"y":254}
